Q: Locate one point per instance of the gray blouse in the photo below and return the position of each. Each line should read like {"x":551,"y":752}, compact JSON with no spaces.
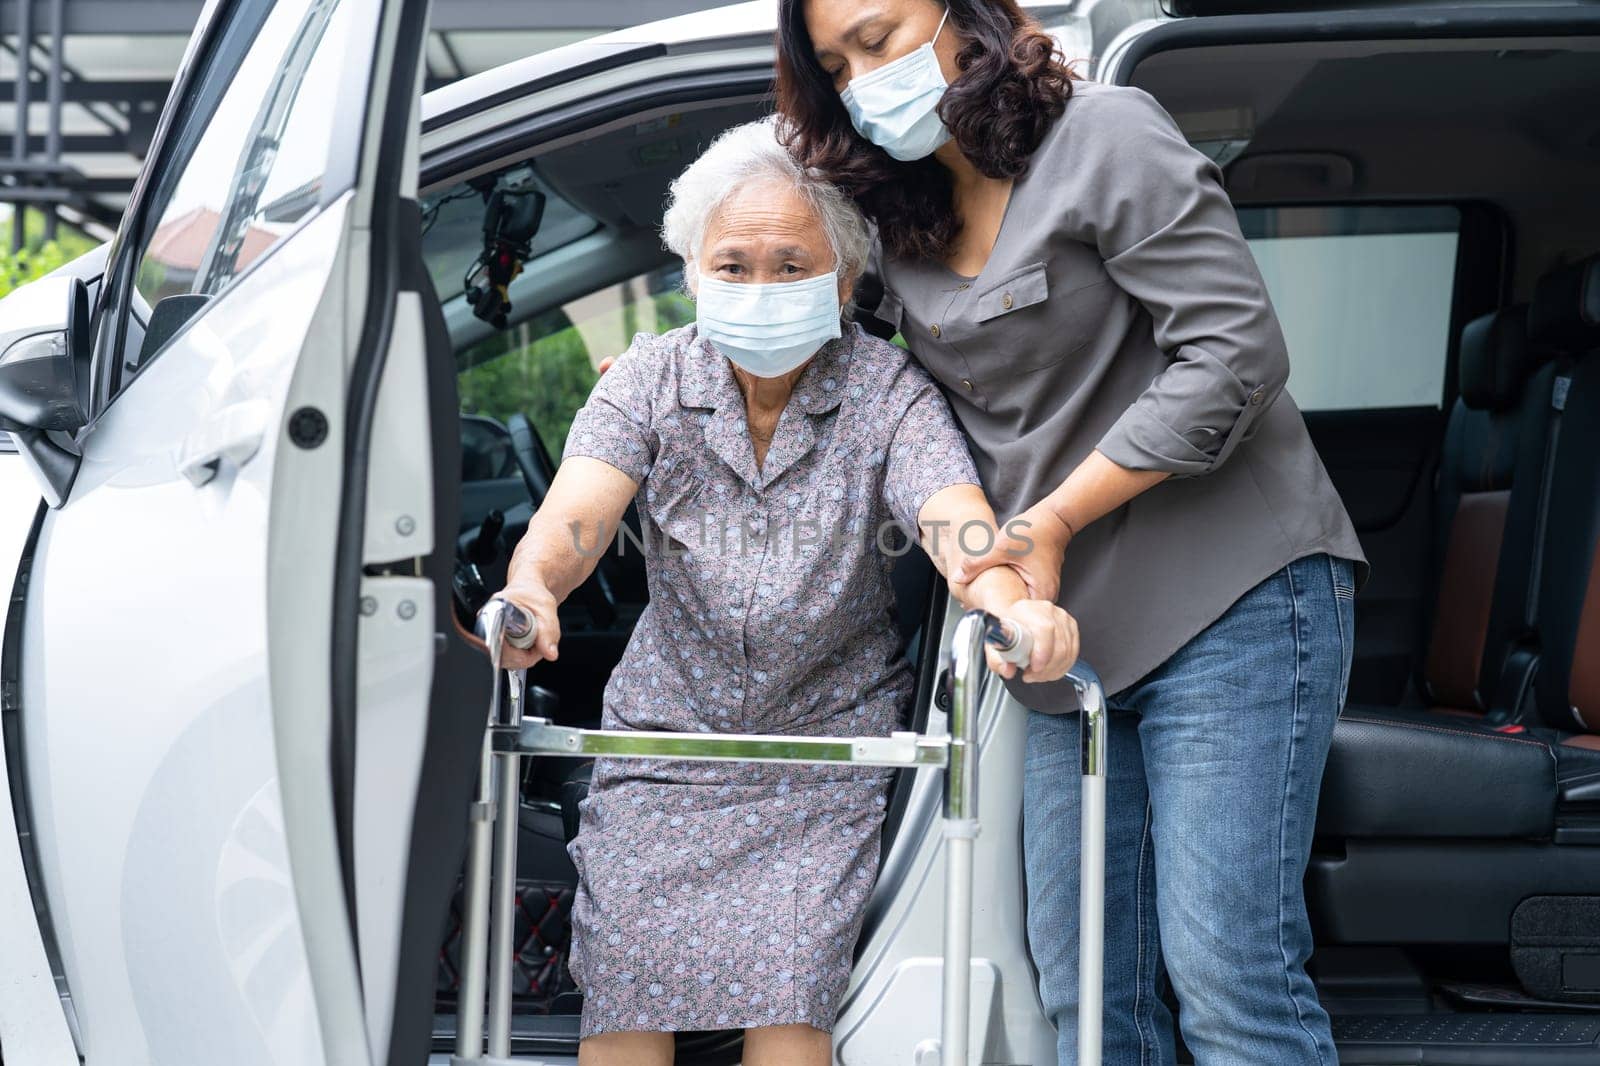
{"x":1121,"y":310}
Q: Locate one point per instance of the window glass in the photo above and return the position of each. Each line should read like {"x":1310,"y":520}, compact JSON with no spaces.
{"x":248,"y":168}
{"x":452,"y":227}
{"x":1364,"y":295}
{"x":545,"y":366}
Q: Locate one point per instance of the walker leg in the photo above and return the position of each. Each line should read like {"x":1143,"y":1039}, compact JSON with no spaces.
{"x":475,"y":916}
{"x":955,"y":1039}
{"x":505,"y":884}
{"x":475,"y":892}
{"x":960,"y":834}
{"x":1092,"y":869}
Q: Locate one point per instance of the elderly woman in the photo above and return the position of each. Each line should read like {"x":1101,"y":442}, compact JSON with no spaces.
{"x":771,"y":446}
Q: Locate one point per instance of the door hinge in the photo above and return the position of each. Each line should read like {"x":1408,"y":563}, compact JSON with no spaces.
{"x":411,"y":567}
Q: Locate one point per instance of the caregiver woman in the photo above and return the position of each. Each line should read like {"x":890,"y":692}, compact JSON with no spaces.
{"x":1073,"y":275}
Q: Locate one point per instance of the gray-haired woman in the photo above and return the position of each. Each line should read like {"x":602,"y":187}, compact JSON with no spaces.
{"x":768,"y":445}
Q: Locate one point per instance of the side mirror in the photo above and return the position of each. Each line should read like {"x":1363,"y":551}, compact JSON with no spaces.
{"x":44,"y":375}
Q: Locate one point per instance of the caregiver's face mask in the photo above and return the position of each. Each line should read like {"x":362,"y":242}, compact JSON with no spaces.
{"x":768,"y":330}
{"x":896,"y":107}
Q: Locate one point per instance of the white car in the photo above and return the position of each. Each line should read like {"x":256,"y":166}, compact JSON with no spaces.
{"x":272,"y":458}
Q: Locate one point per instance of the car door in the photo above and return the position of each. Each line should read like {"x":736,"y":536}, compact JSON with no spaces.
{"x":191,"y":671}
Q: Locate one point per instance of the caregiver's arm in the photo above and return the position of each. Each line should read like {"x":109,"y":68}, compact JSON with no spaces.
{"x":1035,"y":541}
{"x":571,"y":529}
{"x":957,"y":521}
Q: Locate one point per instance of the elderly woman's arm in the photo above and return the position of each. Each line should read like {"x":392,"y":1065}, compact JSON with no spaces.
{"x":931,"y":485}
{"x":608,"y":453}
{"x":572,"y":527}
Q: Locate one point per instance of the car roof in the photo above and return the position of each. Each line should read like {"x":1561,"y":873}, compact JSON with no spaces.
{"x":747,"y":23}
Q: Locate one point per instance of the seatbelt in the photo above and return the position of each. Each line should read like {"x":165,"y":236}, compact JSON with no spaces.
{"x":1517,"y":673}
{"x":1558,"y":404}
{"x":1508,"y":706}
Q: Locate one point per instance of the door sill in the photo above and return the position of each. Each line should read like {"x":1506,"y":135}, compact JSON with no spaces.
{"x":1460,"y":1039}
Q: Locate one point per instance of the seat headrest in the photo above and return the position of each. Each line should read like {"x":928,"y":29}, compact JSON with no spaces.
{"x":1495,"y":359}
{"x":1566,"y":308}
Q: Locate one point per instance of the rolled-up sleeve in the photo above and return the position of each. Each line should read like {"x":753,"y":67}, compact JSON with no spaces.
{"x":927,"y":452}
{"x":1156,"y":210}
{"x":614,"y":423}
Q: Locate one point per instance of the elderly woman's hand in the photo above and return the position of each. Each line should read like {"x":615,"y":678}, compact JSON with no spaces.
{"x":532,"y":596}
{"x":1055,"y":640}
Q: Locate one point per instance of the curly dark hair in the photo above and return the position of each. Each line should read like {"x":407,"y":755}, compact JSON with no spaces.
{"x":1013,"y":84}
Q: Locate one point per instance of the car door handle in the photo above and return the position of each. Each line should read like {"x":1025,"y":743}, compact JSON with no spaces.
{"x":232,"y":435}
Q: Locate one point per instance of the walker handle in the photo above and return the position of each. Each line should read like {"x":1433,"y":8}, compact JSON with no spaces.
{"x":1009,"y":640}
{"x":519,"y":628}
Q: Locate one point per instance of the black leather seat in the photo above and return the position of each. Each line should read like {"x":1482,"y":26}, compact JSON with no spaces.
{"x":1421,"y":772}
{"x":1399,"y":774}
{"x":1567,"y":690}
{"x":1453,"y":771}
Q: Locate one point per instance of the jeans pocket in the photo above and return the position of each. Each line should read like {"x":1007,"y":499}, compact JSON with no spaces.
{"x":1343,"y":574}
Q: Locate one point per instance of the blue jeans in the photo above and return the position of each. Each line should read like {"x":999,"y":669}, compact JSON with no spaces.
{"x":1214,"y":763}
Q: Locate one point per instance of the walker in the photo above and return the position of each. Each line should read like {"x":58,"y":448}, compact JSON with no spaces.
{"x":510,"y":736}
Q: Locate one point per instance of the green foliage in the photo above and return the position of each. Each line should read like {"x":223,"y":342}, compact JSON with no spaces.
{"x":673,"y":309}
{"x":544,"y":369}
{"x":38,"y":256}
{"x":547,"y":379}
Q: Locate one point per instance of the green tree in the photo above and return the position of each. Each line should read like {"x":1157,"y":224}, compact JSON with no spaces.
{"x":546,"y":378}
{"x":38,"y":257}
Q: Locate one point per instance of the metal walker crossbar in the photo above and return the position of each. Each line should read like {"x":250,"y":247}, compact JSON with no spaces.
{"x":510,"y":737}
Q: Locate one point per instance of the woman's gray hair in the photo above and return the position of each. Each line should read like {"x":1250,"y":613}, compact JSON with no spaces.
{"x":752,"y":152}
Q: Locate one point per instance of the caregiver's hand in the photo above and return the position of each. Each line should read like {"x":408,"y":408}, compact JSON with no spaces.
{"x":532,"y":596}
{"x":1055,"y":640}
{"x":1033,"y":544}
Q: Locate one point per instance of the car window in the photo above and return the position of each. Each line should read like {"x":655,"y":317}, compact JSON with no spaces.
{"x":452,"y":229}
{"x":545,"y":366}
{"x":1364,"y":294}
{"x":245,"y":167}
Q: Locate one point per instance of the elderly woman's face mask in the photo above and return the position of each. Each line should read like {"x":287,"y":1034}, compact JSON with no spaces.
{"x":746,"y":304}
{"x":768,"y":330}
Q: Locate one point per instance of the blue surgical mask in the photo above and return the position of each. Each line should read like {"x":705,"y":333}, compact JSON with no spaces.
{"x":896,"y":107}
{"x":768,"y":330}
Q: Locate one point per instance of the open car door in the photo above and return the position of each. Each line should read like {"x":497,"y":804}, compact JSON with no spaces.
{"x":234,"y":572}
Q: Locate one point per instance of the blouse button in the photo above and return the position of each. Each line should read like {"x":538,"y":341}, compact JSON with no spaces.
{"x":1005,"y":301}
{"x":1257,"y":396}
{"x":934,"y":329}
{"x":966,"y":383}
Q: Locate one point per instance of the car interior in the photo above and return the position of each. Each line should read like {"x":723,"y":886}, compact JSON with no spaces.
{"x":1422,"y":208}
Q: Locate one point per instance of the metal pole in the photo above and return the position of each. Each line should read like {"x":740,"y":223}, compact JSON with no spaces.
{"x":505,"y":883}
{"x":1092,"y":865}
{"x":475,"y":906}
{"x":53,"y":88}
{"x":19,"y":135}
{"x":960,"y":836}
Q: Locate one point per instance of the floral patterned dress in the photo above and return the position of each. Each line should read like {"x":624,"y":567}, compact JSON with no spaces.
{"x":729,"y":895}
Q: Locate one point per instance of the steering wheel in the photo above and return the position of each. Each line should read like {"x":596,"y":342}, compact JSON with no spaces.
{"x":538,"y":470}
